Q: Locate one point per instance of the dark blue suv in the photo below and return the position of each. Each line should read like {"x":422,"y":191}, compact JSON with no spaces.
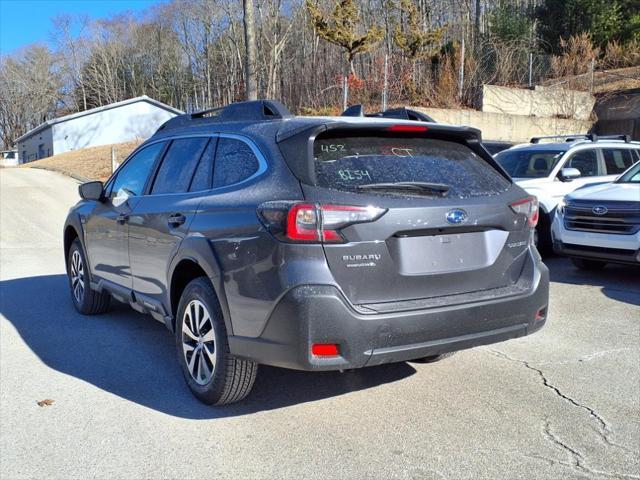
{"x":313,"y":243}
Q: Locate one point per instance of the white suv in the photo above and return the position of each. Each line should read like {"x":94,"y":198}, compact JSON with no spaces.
{"x":601,"y":223}
{"x":551,"y":170}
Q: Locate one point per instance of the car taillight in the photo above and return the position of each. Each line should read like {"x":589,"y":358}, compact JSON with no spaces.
{"x":314,"y":223}
{"x":529,"y":207}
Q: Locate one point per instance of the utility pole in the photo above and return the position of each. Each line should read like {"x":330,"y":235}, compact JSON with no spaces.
{"x":250,"y":50}
{"x":461,"y":86}
{"x":530,"y":69}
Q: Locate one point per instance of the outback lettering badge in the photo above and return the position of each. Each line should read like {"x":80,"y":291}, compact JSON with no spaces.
{"x":354,"y":261}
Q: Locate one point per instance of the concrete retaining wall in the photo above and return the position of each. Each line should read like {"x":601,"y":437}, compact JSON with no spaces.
{"x":506,"y":127}
{"x":539,"y":102}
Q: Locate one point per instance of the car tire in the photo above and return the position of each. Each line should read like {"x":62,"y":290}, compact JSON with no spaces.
{"x":85,"y":300}
{"x":213,"y":375}
{"x":543,"y":240}
{"x":586,"y":264}
{"x":434,"y":358}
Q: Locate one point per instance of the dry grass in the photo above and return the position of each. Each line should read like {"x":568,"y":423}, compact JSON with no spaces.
{"x":93,"y":163}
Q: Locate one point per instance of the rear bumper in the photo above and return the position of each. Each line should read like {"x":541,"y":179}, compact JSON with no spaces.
{"x":320,"y":314}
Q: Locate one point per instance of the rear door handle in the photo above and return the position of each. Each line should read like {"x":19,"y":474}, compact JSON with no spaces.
{"x":122,"y":218}
{"x":176,"y":220}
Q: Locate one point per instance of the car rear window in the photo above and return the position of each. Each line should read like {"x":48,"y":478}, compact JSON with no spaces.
{"x":347,"y":162}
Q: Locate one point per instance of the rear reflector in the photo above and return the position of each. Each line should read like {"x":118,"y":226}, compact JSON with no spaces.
{"x":407,"y":128}
{"x":325,"y":350}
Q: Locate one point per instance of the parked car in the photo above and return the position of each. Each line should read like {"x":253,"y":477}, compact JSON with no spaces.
{"x":495,"y":146}
{"x":313,"y":243}
{"x":552,"y":170}
{"x":601,"y":224}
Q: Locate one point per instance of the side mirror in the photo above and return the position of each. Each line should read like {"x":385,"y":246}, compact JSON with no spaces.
{"x":568,"y":174}
{"x":91,"y":191}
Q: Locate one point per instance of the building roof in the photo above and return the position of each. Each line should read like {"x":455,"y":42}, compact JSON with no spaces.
{"x":91,"y":111}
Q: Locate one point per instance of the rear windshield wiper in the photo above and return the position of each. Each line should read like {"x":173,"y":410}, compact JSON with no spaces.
{"x":421,"y":188}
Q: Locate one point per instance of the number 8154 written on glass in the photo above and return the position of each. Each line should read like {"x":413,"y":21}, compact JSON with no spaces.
{"x":351,"y":175}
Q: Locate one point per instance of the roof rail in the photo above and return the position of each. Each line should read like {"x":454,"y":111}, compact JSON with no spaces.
{"x":254,"y":110}
{"x":587,"y":136}
{"x":402,"y":113}
{"x":624,"y":138}
{"x":568,"y":138}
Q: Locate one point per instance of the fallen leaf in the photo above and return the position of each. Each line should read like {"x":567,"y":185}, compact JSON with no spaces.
{"x":47,"y":402}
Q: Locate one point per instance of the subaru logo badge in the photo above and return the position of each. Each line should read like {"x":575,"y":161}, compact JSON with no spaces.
{"x":599,"y":210}
{"x":456,"y":216}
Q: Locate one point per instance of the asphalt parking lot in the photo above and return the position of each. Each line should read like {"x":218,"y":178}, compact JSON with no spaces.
{"x":563,"y":403}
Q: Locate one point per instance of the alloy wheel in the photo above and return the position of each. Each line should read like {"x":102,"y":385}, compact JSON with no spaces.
{"x":199,"y":342}
{"x":77,"y":276}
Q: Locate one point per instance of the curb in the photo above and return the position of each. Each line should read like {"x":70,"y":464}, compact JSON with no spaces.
{"x":79,"y":178}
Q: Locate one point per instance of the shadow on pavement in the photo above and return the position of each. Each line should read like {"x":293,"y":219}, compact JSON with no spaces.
{"x":133,"y":356}
{"x":618,"y":282}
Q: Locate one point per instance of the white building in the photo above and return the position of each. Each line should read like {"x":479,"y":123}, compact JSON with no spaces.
{"x":118,"y":122}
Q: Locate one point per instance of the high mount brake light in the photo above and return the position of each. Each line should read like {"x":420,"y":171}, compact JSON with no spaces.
{"x":314,"y":223}
{"x":529,"y":207}
{"x":407,"y":128}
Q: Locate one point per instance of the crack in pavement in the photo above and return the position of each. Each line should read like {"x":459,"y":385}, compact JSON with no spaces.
{"x":590,"y":356}
{"x":604,"y":429}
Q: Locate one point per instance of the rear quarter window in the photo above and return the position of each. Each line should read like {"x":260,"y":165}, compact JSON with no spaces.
{"x":345,"y":162}
{"x":235,"y":162}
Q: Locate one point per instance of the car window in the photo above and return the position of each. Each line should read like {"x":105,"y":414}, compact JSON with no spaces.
{"x":235,"y":161}
{"x":348,"y":162}
{"x":586,"y":161}
{"x":521,"y":163}
{"x":202,"y":178}
{"x":178,"y":165}
{"x":617,"y":160}
{"x":133,"y":175}
{"x":632,"y":176}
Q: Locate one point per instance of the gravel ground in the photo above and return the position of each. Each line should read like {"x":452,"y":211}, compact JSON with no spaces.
{"x":563,"y":403}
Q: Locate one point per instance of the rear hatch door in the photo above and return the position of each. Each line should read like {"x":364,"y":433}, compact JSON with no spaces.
{"x":448,"y":228}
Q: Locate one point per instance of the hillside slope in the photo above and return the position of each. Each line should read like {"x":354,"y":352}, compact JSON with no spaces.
{"x":92,"y":163}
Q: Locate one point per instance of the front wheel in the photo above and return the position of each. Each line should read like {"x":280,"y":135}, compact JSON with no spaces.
{"x":214,"y":376}
{"x":86,"y":300}
{"x":591,"y":265}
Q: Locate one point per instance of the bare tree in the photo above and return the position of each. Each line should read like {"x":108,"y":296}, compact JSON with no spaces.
{"x":251,"y":79}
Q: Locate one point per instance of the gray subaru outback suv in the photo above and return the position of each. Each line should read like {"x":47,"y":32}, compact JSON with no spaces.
{"x":312,"y":243}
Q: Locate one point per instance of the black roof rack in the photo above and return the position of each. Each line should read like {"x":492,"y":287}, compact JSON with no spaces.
{"x":586,"y":136}
{"x":255,"y":110}
{"x":402,"y":113}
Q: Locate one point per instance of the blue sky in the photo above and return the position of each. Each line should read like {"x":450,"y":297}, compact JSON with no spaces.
{"x":29,"y":21}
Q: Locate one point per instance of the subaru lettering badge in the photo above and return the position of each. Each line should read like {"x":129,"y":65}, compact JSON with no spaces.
{"x":599,"y":210}
{"x":456,"y":216}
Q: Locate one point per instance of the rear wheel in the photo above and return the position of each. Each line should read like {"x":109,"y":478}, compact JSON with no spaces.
{"x":434,"y":358}
{"x":585,"y":264}
{"x":86,"y":300}
{"x":214,"y":376}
